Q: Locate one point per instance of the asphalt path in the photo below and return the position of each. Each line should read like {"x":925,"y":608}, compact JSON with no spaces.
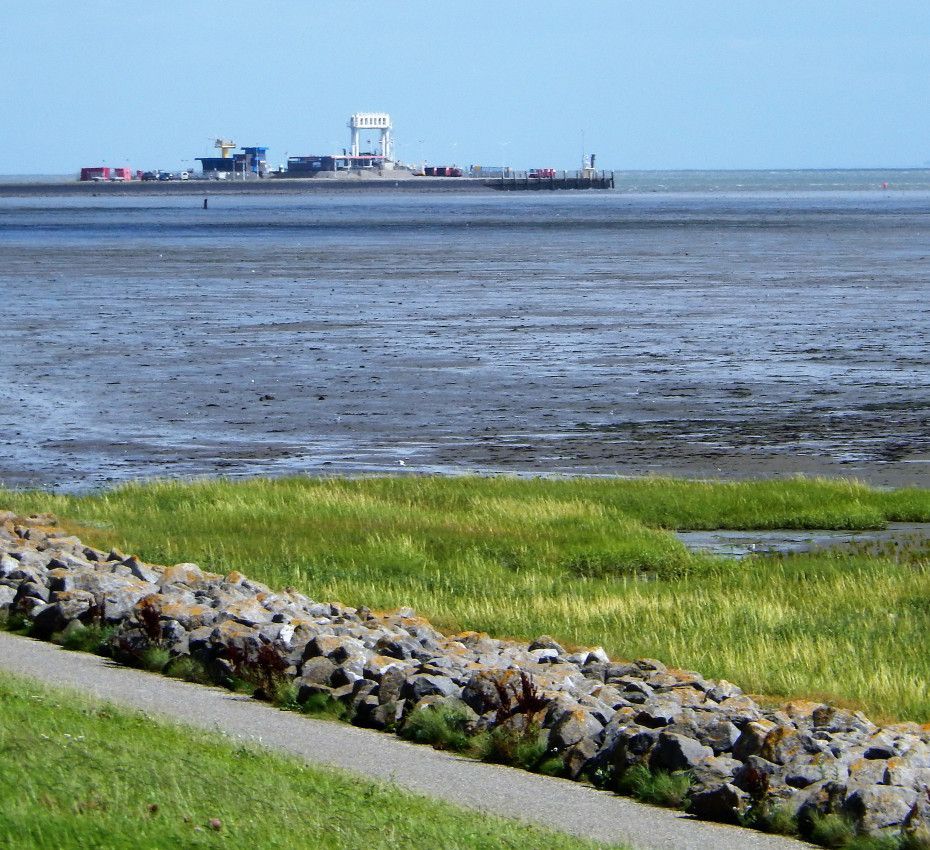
{"x":557,"y":804}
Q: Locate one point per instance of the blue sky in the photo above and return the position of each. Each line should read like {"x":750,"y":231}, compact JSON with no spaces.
{"x":646,"y":85}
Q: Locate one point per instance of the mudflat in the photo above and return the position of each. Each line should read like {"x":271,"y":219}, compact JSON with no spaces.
{"x":709,"y":334}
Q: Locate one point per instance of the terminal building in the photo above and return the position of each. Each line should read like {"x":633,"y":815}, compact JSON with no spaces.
{"x":251,"y":161}
{"x":352,"y":159}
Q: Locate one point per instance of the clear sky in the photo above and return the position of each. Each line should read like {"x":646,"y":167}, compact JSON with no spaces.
{"x":645,"y":85}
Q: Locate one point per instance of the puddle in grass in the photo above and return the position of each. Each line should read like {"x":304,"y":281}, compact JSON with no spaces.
{"x":897,"y":538}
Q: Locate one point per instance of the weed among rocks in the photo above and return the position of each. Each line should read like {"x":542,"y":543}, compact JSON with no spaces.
{"x":94,"y":638}
{"x":830,"y":830}
{"x":284,"y":695}
{"x":776,"y":819}
{"x":660,"y":787}
{"x":524,"y":746}
{"x":323,"y":706}
{"x":154,"y":658}
{"x":445,"y":726}
{"x":189,"y":669}
{"x":262,"y":676}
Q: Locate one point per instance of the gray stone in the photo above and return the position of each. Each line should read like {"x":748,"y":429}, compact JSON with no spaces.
{"x":726,"y":804}
{"x":676,"y":752}
{"x":719,"y":734}
{"x":338,"y":649}
{"x":877,"y":807}
{"x":578,"y":756}
{"x":803,"y":775}
{"x":423,"y":685}
{"x":752,"y":739}
{"x":317,"y":671}
{"x":546,"y":642}
{"x":658,"y":714}
{"x":573,"y":726}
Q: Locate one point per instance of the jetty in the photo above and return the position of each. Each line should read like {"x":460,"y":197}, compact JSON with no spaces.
{"x":587,"y":178}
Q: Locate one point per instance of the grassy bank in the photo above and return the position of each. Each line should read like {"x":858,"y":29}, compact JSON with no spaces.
{"x":589,"y":561}
{"x":80,"y":773}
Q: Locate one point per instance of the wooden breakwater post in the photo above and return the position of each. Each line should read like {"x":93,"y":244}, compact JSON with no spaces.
{"x":523,"y":181}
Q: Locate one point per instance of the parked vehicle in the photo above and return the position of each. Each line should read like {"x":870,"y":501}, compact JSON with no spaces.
{"x":541,"y":173}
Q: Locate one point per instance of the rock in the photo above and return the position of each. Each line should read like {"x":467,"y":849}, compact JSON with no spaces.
{"x":658,"y":714}
{"x":723,"y":690}
{"x":189,"y":615}
{"x":544,"y":656}
{"x":803,"y":775}
{"x":713,"y":771}
{"x":481,"y":692}
{"x":67,"y":607}
{"x":546,"y":642}
{"x":752,"y":739}
{"x":392,"y":684}
{"x":725,"y":804}
{"x":719,"y":734}
{"x":578,"y":756}
{"x":423,"y":685}
{"x":650,"y":665}
{"x":249,"y":612}
{"x":632,"y":690}
{"x":141,"y":571}
{"x":574,"y":725}
{"x":377,"y":665}
{"x":8,"y":566}
{"x":335,"y":647}
{"x":865,"y":771}
{"x":878,"y":807}
{"x":676,"y":752}
{"x":31,"y":590}
{"x":317,"y":671}
{"x":187,"y":574}
{"x":601,"y":716}
{"x":832,"y":719}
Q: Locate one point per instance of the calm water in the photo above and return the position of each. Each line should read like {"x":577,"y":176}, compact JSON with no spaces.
{"x":704,"y":324}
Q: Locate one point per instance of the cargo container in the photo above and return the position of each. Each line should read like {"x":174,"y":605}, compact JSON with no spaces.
{"x":442,"y":171}
{"x":97,"y":172}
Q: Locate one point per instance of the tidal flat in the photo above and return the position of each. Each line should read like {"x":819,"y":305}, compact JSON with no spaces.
{"x":707,"y":333}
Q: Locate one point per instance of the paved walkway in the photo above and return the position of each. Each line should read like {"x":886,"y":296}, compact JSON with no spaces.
{"x":557,"y":804}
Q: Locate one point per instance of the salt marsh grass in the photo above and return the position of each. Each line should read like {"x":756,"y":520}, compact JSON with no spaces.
{"x":588,"y":561}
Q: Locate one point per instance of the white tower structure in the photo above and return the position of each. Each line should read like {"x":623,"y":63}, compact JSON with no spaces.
{"x":379,"y":121}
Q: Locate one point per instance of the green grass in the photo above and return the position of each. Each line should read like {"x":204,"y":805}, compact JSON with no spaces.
{"x":658,"y":787}
{"x":443,"y":726}
{"x":81,"y":773}
{"x":589,"y":561}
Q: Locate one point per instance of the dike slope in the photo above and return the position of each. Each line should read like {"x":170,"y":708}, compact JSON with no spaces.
{"x":589,"y":716}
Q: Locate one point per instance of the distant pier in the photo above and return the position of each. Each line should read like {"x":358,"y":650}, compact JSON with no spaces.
{"x":527,"y":181}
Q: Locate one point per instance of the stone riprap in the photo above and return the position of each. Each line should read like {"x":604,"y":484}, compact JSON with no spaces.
{"x":600,"y":716}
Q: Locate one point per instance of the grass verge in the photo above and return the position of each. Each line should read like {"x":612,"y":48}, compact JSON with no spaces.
{"x":81,"y":773}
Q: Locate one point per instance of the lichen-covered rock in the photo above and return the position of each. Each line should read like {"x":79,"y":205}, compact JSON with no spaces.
{"x":677,"y":752}
{"x":878,"y":807}
{"x":724,"y":803}
{"x":574,"y":724}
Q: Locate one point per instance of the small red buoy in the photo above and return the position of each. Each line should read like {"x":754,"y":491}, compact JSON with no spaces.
{"x":885,"y":185}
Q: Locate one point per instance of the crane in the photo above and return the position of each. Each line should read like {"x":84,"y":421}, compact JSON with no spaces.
{"x":225,"y":145}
